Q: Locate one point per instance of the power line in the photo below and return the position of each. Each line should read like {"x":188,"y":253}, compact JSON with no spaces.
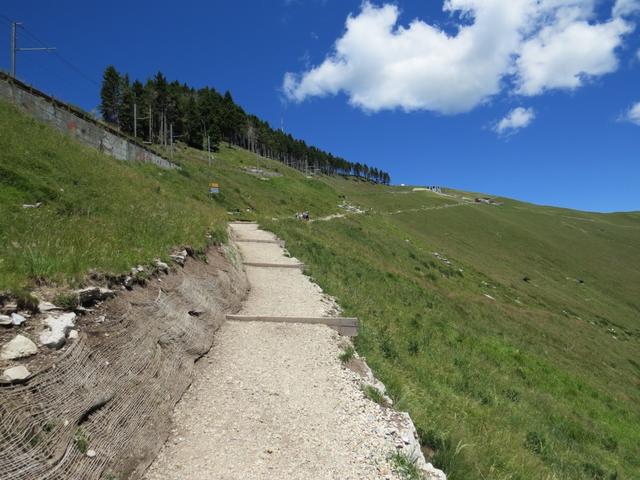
{"x":62,"y":59}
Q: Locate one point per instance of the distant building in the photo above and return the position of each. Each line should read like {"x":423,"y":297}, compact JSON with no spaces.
{"x":432,"y":188}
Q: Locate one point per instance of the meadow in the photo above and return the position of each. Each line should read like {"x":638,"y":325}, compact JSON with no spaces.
{"x":511,"y":333}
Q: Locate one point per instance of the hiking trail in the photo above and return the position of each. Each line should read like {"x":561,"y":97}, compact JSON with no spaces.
{"x":273,"y":400}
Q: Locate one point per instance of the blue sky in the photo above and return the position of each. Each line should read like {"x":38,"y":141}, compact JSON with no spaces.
{"x":511,"y":97}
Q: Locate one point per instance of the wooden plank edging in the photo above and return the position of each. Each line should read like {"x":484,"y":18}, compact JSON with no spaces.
{"x":329,"y":321}
{"x":256,"y":240}
{"x":274,"y":265}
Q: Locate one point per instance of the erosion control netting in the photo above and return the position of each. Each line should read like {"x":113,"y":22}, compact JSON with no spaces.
{"x":113,"y":391}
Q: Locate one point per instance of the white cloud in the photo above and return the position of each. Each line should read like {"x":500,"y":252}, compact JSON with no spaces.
{"x":515,"y":120}
{"x":528,"y":46}
{"x":633,"y":114}
{"x":626,"y":7}
{"x":563,"y":56}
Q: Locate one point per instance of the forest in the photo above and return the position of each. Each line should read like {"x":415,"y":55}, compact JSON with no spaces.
{"x":162,"y":112}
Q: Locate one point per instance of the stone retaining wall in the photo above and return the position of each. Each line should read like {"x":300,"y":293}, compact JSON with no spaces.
{"x":77,"y":123}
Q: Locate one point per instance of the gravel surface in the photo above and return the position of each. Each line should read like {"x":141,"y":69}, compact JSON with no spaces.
{"x":250,"y":231}
{"x":285,"y":292}
{"x":273,"y":401}
{"x":265,"y":253}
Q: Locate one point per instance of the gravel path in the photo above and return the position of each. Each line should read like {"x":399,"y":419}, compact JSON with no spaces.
{"x":265,"y":253}
{"x":250,"y":231}
{"x":273,"y":401}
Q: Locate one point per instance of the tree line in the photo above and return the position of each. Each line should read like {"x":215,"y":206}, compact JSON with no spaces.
{"x":169,"y":111}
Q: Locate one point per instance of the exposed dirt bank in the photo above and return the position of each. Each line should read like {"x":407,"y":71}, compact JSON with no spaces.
{"x":102,"y":407}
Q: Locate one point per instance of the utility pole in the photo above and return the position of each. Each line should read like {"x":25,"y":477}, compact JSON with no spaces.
{"x":150,"y":126}
{"x":135,"y":120}
{"x":15,"y":49}
{"x":209,"y":149}
{"x":171,"y":138}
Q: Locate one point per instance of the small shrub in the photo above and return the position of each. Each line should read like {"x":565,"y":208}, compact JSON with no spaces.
{"x":414,"y":346}
{"x":535,"y":443}
{"x":68,"y":301}
{"x":219,"y":236}
{"x":405,"y":467}
{"x":433,"y":440}
{"x":81,"y":441}
{"x":512,"y":395}
{"x":387,"y":348}
{"x":373,"y":394}
{"x":26,"y":301}
{"x":347,"y":354}
{"x":593,"y":471}
{"x":610,"y":444}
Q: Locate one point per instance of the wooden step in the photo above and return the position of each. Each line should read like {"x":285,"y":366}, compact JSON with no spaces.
{"x":274,"y":265}
{"x":257,"y":240}
{"x":346,"y":326}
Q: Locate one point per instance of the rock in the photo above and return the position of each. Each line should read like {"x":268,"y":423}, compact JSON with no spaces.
{"x":55,"y":335}
{"x":35,"y":205}
{"x":91,"y":453}
{"x":5,"y":321}
{"x":15,"y":375}
{"x":163,"y":267}
{"x":19,"y":347}
{"x":89,"y":296}
{"x":128,"y":282}
{"x":47,"y":307}
{"x":73,"y":335}
{"x":17,"y":319}
{"x":101,"y":319}
{"x":9,"y":308}
{"x":432,"y":473}
{"x":180,"y":257}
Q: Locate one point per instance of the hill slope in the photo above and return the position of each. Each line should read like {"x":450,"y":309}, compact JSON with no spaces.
{"x":511,"y":333}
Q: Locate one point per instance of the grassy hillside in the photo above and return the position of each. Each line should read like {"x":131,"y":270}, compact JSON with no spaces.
{"x":101,"y":213}
{"x":519,"y":360}
{"x":515,"y":348}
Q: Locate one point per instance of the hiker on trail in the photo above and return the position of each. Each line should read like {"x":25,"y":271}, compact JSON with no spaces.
{"x":305,"y":216}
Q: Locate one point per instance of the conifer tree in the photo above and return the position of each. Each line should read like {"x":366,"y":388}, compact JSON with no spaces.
{"x":125,"y":109}
{"x":110,"y":95}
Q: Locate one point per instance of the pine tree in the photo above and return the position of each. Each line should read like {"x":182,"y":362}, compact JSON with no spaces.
{"x":125,"y":109}
{"x":110,"y":95}
{"x":140,"y":99}
{"x":193,"y":125}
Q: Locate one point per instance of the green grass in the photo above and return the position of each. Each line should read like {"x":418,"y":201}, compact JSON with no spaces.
{"x":505,"y":378}
{"x":81,"y":440}
{"x":102,"y":214}
{"x":543,"y":381}
{"x":373,"y":394}
{"x":405,"y":467}
{"x":347,"y":354}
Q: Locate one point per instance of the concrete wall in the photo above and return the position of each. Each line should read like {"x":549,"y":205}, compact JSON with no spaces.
{"x":76,"y":123}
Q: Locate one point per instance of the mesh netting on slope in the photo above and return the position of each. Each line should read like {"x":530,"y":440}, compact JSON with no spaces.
{"x":115,"y":388}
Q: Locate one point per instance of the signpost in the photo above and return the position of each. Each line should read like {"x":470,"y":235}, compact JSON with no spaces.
{"x":214,"y":188}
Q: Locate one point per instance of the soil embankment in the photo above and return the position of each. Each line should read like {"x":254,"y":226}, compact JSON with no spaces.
{"x":101,"y":407}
